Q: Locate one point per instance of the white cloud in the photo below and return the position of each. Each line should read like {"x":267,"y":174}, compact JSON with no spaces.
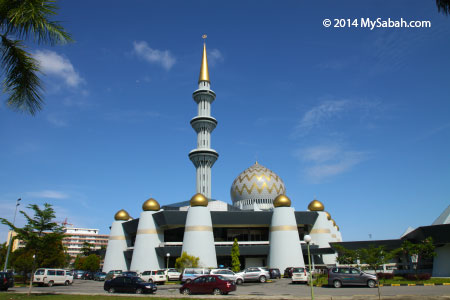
{"x":214,"y":57}
{"x":56,"y":120}
{"x":164,"y":58}
{"x":49,"y":194}
{"x":325,"y":161}
{"x":52,"y":63}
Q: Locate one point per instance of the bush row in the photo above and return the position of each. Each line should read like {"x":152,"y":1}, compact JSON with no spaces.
{"x":421,"y":276}
{"x":385,"y":276}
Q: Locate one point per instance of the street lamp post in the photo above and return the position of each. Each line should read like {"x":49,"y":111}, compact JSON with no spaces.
{"x":10,"y":238}
{"x":168,"y":256}
{"x":307,"y":239}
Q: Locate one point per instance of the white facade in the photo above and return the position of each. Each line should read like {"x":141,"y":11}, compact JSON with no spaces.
{"x":198,"y":239}
{"x":321,"y":236}
{"x":117,"y":244}
{"x":285,"y":249}
{"x":148,"y":238}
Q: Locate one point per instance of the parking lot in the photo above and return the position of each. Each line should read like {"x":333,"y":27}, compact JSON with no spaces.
{"x":281,"y":288}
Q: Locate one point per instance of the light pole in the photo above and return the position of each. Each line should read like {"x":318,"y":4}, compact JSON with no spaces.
{"x":10,"y":238}
{"x":307,"y":239}
{"x":168,"y":256}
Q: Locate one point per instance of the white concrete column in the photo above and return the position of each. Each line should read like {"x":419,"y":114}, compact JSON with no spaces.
{"x":117,"y":245}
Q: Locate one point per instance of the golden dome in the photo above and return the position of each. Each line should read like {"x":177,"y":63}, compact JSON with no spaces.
{"x":328,"y":215}
{"x":316,"y":205}
{"x":151,"y":204}
{"x":282,"y":201}
{"x":337,"y":227}
{"x":199,"y":200}
{"x":122,"y":215}
{"x":204,"y":73}
{"x":334,"y":222}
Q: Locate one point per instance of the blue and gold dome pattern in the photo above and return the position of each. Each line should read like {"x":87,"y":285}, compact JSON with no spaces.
{"x":258,"y":186}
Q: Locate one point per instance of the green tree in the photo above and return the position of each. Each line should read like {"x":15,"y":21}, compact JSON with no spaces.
{"x":186,"y":261}
{"x":375,"y":257}
{"x":3,"y":249}
{"x":86,"y":248}
{"x":423,"y":249}
{"x":91,"y":263}
{"x":346,"y":256}
{"x":79,"y":262}
{"x":443,"y":6}
{"x":26,"y":20}
{"x":22,"y":261}
{"x":235,"y":262}
{"x":42,"y":236}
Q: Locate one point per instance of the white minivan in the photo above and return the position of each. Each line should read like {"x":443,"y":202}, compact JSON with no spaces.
{"x":50,"y":277}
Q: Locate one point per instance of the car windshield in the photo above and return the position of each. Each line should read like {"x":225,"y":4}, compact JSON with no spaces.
{"x":160,"y":272}
{"x":40,"y":272}
{"x":298,"y":270}
{"x":137,"y":279}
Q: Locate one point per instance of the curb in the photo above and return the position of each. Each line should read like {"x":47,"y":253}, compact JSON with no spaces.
{"x":414,"y":284}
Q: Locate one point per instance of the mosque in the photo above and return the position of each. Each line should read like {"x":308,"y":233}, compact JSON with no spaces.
{"x":268,"y":230}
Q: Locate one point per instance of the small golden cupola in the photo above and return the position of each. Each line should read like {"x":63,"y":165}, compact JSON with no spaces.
{"x":122,"y":215}
{"x":151,"y":205}
{"x":282,"y":201}
{"x":328,"y":215}
{"x":199,"y":200}
{"x":204,"y":73}
{"x":316,"y":205}
{"x":334,"y":222}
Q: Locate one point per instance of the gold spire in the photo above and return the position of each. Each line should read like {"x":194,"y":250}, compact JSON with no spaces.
{"x":204,"y":73}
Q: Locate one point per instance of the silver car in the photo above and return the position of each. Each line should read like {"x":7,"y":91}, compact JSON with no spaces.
{"x":255,"y":274}
{"x":340,"y":276}
{"x":228,"y":274}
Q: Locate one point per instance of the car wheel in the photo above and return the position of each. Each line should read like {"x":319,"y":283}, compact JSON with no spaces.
{"x":66,"y":283}
{"x":337,"y":284}
{"x":371,"y":283}
{"x":50,"y":284}
{"x":217,"y":291}
{"x":186,"y":292}
{"x":188,"y":281}
{"x":262,"y":279}
{"x":239,"y":281}
{"x":138,"y":291}
{"x":112,"y":290}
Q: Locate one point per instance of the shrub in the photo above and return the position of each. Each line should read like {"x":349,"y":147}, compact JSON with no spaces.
{"x":409,"y":276}
{"x":424,"y":276}
{"x":385,"y":275}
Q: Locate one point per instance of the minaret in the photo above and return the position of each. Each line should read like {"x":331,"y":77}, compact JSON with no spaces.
{"x":204,"y":157}
{"x":117,"y":244}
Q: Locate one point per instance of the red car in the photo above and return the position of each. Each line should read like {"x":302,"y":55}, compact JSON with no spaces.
{"x":208,"y":284}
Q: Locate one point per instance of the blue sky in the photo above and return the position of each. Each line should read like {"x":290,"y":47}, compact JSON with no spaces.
{"x":358,"y":118}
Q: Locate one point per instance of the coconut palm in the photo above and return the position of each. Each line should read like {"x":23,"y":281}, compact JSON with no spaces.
{"x":444,"y":6}
{"x":22,"y":20}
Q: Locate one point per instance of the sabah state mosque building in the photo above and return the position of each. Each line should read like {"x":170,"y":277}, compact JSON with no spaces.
{"x":268,"y":230}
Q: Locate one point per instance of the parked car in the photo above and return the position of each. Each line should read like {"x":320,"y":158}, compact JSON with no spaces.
{"x":77,"y":274}
{"x":275,"y":273}
{"x":88,"y":275}
{"x":130,"y":274}
{"x":208,"y":284}
{"x":113,"y":274}
{"x":229,"y":275}
{"x":255,"y":274}
{"x":100,"y":276}
{"x":128,"y":284}
{"x":288,"y":272}
{"x":154,"y":276}
{"x":299,"y":275}
{"x":172,"y":274}
{"x":50,"y":277}
{"x":340,"y":276}
{"x":191,"y":273}
{"x":6,"y":281}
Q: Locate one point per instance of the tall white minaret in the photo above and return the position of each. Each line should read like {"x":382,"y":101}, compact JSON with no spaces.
{"x":204,"y":157}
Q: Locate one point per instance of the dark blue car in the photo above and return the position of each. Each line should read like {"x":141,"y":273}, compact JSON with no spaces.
{"x":125,"y":284}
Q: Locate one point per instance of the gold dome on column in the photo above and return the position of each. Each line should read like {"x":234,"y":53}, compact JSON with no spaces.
{"x":282,"y":201}
{"x":122,"y":215}
{"x":204,"y":73}
{"x":151,"y":205}
{"x":199,"y":200}
{"x":337,"y":227}
{"x":316,"y":205}
{"x":328,"y":215}
{"x":334,"y":222}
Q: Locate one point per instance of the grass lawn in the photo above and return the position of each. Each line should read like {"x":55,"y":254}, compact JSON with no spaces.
{"x":13,"y":296}
{"x":399,"y":279}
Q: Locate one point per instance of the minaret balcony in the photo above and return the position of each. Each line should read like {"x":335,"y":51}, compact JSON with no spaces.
{"x":198,"y":123}
{"x":204,"y":95}
{"x":203,"y":156}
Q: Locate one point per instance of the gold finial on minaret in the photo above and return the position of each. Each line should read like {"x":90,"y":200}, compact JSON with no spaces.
{"x":204,"y":73}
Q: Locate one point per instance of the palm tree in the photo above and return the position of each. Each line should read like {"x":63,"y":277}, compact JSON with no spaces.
{"x":23,"y":20}
{"x":443,"y":5}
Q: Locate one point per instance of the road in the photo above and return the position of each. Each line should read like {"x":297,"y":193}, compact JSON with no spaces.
{"x":278,"y":289}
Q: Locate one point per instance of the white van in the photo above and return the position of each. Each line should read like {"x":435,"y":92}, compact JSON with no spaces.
{"x":50,"y":277}
{"x":154,"y":276}
{"x":190,"y":274}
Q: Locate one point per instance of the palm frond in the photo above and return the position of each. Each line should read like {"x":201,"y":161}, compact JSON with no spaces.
{"x":444,"y":6}
{"x":21,"y":81}
{"x":31,"y":18}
